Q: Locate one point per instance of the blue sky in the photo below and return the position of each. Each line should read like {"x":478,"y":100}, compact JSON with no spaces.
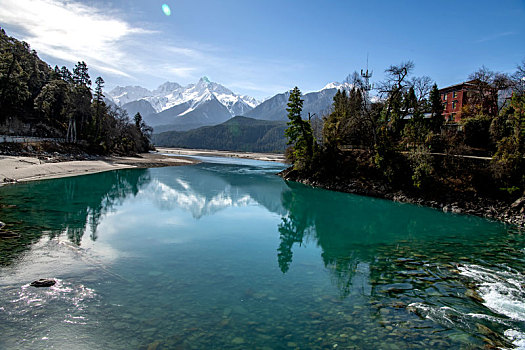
{"x":260,"y":48}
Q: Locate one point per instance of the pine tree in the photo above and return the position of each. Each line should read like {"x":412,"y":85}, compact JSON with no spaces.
{"x":99,"y":85}
{"x":99,"y":95}
{"x":436,"y":108}
{"x":65,"y":74}
{"x":138,"y":120}
{"x":81,"y":75}
{"x":299,"y":132}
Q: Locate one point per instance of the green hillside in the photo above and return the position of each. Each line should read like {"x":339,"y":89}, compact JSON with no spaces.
{"x":237,"y":134}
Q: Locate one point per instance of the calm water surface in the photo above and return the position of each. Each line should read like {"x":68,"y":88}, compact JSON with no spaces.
{"x":225,"y":254}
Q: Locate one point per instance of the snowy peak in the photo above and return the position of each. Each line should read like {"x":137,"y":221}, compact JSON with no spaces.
{"x":122,"y":95}
{"x":338,"y":86}
{"x":169,"y":95}
{"x":167,"y":87}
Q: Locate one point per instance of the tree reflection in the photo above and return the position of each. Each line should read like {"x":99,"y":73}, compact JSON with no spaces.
{"x":363,"y":235}
{"x":71,"y":206}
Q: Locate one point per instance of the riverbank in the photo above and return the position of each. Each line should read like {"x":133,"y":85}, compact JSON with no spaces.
{"x":269,"y":157}
{"x":31,"y":168}
{"x":510,"y":213}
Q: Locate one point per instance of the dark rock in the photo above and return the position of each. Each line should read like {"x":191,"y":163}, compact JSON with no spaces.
{"x":43,"y":283}
{"x":518,"y":204}
{"x":474,"y":295}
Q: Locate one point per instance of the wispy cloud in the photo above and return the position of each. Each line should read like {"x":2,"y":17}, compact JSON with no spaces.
{"x":71,"y":31}
{"x":494,"y":37}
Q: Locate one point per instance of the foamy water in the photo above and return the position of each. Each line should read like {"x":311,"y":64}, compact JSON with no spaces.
{"x":503,"y":292}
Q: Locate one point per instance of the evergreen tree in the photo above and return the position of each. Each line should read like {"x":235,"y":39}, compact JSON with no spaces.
{"x":14,"y":90}
{"x":81,"y":75}
{"x":99,"y":85}
{"x":98,"y":104}
{"x":334,"y":123}
{"x":299,"y":132}
{"x":436,"y":109}
{"x":65,"y":74}
{"x":410,"y":104}
{"x":138,"y":120}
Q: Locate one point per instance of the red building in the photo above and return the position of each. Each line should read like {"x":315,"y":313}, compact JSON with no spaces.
{"x":454,"y":98}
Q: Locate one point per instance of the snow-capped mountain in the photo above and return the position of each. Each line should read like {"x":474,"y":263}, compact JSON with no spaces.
{"x":169,"y":95}
{"x":317,"y":103}
{"x":122,"y":95}
{"x":205,"y":103}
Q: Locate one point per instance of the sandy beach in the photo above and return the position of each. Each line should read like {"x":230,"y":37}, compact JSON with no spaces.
{"x":19,"y":169}
{"x":270,"y":157}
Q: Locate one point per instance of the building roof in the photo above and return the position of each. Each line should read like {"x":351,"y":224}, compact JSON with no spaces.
{"x":458,"y":86}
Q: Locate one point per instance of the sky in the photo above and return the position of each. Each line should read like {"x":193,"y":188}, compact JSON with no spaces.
{"x":260,"y":48}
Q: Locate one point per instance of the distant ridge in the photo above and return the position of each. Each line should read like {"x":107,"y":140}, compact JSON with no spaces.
{"x":237,"y":134}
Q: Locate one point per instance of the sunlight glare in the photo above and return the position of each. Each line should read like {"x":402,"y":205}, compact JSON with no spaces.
{"x":166,"y":9}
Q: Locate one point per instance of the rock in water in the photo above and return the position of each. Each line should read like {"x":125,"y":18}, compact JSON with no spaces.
{"x":1,"y":225}
{"x":43,"y":283}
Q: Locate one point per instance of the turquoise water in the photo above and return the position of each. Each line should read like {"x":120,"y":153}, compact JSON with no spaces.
{"x":225,"y":254}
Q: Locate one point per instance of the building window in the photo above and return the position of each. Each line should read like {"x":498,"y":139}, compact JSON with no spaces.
{"x":444,"y":107}
{"x":454,"y":104}
{"x":453,"y":117}
{"x":445,"y":96}
{"x":455,"y":94}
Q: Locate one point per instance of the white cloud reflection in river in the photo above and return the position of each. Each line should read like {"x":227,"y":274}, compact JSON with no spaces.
{"x":170,"y":197}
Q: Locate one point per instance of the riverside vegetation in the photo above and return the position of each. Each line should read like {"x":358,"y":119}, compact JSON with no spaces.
{"x":37,"y":100}
{"x":401,"y":148}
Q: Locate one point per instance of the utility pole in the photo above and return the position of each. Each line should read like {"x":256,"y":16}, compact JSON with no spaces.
{"x":366,"y":75}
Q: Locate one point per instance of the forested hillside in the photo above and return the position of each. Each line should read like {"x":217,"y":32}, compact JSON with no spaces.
{"x":237,"y":134}
{"x":36,"y":100}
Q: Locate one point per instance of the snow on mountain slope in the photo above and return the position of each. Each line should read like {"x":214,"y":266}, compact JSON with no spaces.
{"x":170,"y":94}
{"x":122,"y":95}
{"x":338,"y":86}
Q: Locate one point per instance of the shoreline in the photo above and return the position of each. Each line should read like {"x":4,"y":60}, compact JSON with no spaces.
{"x":15,"y":169}
{"x":269,"y":157}
{"x":22,"y":167}
{"x":508,"y":213}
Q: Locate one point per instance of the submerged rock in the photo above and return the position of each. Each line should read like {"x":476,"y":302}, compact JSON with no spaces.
{"x":238,"y":341}
{"x":474,"y":295}
{"x":43,"y":283}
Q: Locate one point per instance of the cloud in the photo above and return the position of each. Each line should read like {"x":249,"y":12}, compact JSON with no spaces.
{"x":132,"y":53}
{"x":494,"y":37}
{"x":183,"y":72}
{"x":71,"y":31}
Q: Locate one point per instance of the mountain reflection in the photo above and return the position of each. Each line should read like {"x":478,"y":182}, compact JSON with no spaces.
{"x":206,"y":189}
{"x":358,"y":236}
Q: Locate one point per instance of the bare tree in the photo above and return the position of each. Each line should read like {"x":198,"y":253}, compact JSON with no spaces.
{"x":518,"y":78}
{"x":422,"y":86}
{"x":393,"y":88}
{"x":486,"y":86}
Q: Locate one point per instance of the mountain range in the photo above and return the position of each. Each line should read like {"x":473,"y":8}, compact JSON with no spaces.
{"x":172,"y":107}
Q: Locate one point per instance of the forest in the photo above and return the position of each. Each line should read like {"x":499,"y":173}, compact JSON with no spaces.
{"x":401,"y":140}
{"x":237,"y":134}
{"x":37,"y":100}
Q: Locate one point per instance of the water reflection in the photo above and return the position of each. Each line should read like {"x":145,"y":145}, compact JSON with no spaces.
{"x":71,"y":206}
{"x":205,"y":189}
{"x":405,"y":274}
{"x":358,"y":233}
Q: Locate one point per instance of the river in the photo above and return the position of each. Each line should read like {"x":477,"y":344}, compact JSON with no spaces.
{"x":225,"y":254}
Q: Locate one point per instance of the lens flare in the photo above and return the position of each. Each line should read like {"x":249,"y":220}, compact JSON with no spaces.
{"x":166,"y":9}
